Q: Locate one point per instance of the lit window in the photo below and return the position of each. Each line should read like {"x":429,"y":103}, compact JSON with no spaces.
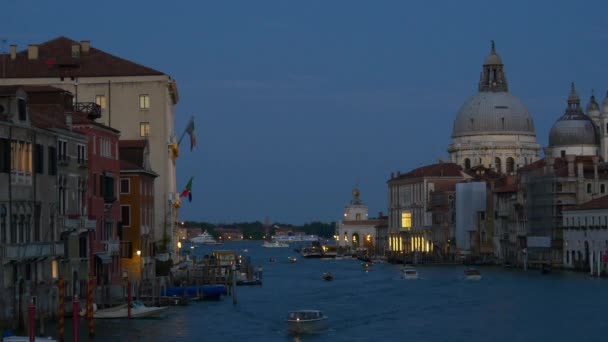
{"x":100,"y":100}
{"x":406,"y":220}
{"x":144,"y":101}
{"x":144,"y":129}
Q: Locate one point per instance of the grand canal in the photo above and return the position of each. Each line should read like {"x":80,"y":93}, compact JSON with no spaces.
{"x":506,"y":305}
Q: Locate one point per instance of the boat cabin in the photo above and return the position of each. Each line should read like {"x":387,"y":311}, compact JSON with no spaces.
{"x":305,"y":315}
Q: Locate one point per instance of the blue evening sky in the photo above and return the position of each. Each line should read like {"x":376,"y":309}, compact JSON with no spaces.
{"x":297,"y":101}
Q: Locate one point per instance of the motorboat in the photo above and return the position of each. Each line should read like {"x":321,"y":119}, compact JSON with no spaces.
{"x":311,"y":252}
{"x":409,"y":272}
{"x":205,"y":239}
{"x":472,"y":274}
{"x":275,"y":244}
{"x":306,"y":321}
{"x":27,"y":339}
{"x":295,"y":238}
{"x":292,"y":259}
{"x":329,"y":252}
{"x":327,"y":276}
{"x":138,"y":310}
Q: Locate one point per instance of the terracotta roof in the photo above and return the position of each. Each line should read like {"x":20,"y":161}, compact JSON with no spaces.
{"x":433,"y":170}
{"x":55,"y":60}
{"x":598,"y":203}
{"x":560,"y":166}
{"x":125,"y":165}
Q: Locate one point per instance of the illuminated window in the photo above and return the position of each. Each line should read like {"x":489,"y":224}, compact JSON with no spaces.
{"x":100,"y":100}
{"x":144,"y":129}
{"x":144,"y":101}
{"x":406,"y":220}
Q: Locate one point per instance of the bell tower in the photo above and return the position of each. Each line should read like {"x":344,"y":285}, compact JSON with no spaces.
{"x":493,"y":76}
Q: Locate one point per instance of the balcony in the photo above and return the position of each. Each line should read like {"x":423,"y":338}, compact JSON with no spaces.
{"x":92,"y":109}
{"x":63,"y":160}
{"x":33,"y":250}
{"x":113,"y":247}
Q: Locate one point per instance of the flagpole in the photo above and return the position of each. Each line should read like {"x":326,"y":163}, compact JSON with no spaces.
{"x":185,"y":130}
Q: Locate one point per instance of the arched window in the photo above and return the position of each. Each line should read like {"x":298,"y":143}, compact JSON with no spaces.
{"x":589,"y":188}
{"x":497,"y":165}
{"x":510,"y":165}
{"x":467,"y":163}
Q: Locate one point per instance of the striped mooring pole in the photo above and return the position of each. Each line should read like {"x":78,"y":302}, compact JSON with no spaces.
{"x":90,"y":299}
{"x":61,"y":313}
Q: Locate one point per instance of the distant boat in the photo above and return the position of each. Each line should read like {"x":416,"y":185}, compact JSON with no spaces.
{"x":292,"y":260}
{"x":311,"y":252}
{"x":205,"y":239}
{"x":275,"y":244}
{"x":327,"y":276}
{"x":472,"y":274}
{"x":306,"y":321}
{"x":295,"y":238}
{"x":409,"y":272}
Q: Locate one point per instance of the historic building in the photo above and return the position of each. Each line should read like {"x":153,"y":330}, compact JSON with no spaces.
{"x":415,"y":231}
{"x":134,"y":99}
{"x":357,"y":232}
{"x":136,"y":190}
{"x":493,"y":128}
{"x":43,"y":215}
{"x":586,"y":236}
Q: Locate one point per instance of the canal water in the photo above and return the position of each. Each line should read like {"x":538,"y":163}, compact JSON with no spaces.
{"x":506,"y":305}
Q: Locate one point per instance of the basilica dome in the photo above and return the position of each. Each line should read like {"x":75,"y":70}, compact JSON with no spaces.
{"x":493,"y":113}
{"x":574,"y":127}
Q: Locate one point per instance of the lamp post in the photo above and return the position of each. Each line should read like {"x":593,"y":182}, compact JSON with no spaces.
{"x":179,"y":247}
{"x":141,"y":267}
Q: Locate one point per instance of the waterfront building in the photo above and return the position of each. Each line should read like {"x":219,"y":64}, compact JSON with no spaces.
{"x":570,"y":174}
{"x":137,"y":210}
{"x":493,"y":128}
{"x":410,"y":226}
{"x":357,"y":232}
{"x":586,"y":236}
{"x":43,"y":216}
{"x":229,"y":234}
{"x":134,"y":99}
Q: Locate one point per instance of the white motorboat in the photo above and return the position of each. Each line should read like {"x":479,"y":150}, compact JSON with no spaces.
{"x":409,"y":272}
{"x":138,"y":310}
{"x":27,"y":339}
{"x":275,"y":244}
{"x":205,"y":239}
{"x":295,"y":238}
{"x":472,"y":274}
{"x":306,"y":321}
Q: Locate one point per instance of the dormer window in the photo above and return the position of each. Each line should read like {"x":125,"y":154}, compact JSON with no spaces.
{"x":22,"y":109}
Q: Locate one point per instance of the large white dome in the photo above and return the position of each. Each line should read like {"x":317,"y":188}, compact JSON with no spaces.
{"x":493,"y":113}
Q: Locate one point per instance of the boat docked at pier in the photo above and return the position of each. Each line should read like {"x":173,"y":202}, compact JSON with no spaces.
{"x":205,"y":239}
{"x":275,"y":244}
{"x":306,"y":321}
{"x":311,"y":252}
{"x":138,"y":310}
{"x":472,"y":274}
{"x":295,"y":238}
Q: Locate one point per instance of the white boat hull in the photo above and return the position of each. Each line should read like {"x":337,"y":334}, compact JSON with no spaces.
{"x":473,"y":277}
{"x":307,"y":327}
{"x":122,"y":312}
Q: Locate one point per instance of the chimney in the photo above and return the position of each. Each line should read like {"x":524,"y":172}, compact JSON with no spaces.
{"x":13,"y":52}
{"x":68,"y":120}
{"x":570,"y":160}
{"x":75,"y":50}
{"x":85,"y":46}
{"x":32,"y":52}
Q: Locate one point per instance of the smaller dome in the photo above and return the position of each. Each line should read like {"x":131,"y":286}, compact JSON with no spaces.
{"x":574,"y":127}
{"x":593,"y":109}
{"x":605,"y":104}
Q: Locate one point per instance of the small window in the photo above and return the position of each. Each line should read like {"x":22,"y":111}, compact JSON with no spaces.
{"x":510,"y":165}
{"x":39,"y":158}
{"x":589,"y":188}
{"x":602,"y":188}
{"x":22,"y":109}
{"x":144,"y":129}
{"x":563,"y":153}
{"x":101,"y":101}
{"x":125,"y":186}
{"x":144,"y":101}
{"x":467,"y":164}
{"x":52,"y":161}
{"x":406,"y":220}
{"x":126,"y":215}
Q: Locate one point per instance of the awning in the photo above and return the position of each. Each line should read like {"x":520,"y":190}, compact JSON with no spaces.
{"x":104,"y":258}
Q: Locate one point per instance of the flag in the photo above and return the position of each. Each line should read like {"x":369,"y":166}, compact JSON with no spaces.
{"x":188,"y":190}
{"x":190,"y":131}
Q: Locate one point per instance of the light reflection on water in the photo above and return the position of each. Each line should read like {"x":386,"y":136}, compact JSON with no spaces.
{"x":506,"y":305}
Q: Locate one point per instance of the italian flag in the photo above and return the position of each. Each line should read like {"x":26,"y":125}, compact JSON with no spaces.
{"x":187,"y":192}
